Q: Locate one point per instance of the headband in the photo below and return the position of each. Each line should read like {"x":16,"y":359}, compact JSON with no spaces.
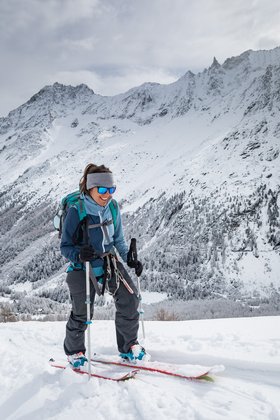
{"x":100,"y":179}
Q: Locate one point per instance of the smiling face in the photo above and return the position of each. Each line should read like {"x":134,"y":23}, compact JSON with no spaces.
{"x":101,"y":199}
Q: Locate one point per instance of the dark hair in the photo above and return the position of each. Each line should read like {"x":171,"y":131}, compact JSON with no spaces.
{"x":91,"y":168}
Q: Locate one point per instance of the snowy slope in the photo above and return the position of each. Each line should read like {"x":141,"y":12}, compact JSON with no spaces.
{"x":247,"y":389}
{"x":212,"y":137}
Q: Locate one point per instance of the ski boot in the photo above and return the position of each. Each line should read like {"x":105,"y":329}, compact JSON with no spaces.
{"x":77,"y":360}
{"x":136,"y":352}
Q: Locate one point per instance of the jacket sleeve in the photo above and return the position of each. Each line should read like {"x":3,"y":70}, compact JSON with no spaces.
{"x":67,"y":247}
{"x":119,"y":240}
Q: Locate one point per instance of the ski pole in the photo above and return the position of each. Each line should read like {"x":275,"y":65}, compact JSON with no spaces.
{"x":88,"y":321}
{"x":141,"y":310}
{"x":133,"y":250}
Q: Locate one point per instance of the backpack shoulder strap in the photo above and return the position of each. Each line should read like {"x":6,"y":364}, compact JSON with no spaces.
{"x":82,"y":228}
{"x":114,"y":210}
{"x":81,"y":208}
{"x":75,"y":199}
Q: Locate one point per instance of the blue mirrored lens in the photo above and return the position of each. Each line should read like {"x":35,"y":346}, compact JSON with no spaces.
{"x":103,"y":190}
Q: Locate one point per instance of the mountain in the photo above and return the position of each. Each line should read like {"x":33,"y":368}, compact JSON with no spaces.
{"x":197,"y":170}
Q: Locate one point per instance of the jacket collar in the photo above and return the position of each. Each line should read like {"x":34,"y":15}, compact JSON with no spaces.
{"x":92,"y":207}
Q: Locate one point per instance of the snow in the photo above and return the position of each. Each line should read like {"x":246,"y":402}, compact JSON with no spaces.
{"x":249,"y":348}
{"x":153,"y":297}
{"x":4,"y":299}
{"x":251,"y":268}
{"x":23,"y":287}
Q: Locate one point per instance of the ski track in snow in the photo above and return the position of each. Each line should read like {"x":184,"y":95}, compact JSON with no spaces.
{"x":249,"y":348}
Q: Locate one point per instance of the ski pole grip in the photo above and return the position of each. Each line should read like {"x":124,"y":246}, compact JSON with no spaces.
{"x":133,"y":249}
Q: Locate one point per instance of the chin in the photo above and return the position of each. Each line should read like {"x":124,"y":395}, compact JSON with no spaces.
{"x":102,"y":202}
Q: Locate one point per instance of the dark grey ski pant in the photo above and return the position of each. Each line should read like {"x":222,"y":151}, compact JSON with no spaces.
{"x":126,"y":318}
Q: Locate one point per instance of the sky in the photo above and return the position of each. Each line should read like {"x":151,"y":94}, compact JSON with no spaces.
{"x":114,"y":45}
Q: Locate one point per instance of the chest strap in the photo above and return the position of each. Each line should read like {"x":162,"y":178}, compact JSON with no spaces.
{"x":103,"y":226}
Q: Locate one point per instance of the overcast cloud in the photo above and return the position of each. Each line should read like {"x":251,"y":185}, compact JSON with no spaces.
{"x":113,"y":45}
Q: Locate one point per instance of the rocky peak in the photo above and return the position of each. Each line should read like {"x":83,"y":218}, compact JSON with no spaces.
{"x":58,"y":91}
{"x":215,"y":64}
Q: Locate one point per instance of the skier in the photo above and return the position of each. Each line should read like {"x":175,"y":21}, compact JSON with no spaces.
{"x":96,"y":241}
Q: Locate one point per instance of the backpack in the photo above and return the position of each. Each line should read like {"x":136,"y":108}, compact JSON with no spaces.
{"x":74,"y":199}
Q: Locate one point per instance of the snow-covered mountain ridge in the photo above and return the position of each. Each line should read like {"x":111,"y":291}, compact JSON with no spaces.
{"x":197,"y":169}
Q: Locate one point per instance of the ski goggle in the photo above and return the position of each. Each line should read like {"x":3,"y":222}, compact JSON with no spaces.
{"x":103,"y":190}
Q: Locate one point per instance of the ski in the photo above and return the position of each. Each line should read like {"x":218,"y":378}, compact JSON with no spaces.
{"x":188,"y":372}
{"x":117,"y":377}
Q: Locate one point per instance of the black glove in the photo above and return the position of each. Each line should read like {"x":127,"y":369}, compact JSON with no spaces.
{"x":134,"y":264}
{"x":87,"y":253}
{"x":131,"y":262}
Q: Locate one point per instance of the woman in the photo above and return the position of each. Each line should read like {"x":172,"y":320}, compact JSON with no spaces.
{"x":95,"y":239}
